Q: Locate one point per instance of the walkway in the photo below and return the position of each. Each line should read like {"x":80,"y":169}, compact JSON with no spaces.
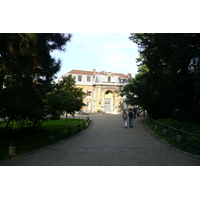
{"x":106,"y":143}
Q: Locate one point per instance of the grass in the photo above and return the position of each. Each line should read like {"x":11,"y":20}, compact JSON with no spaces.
{"x":56,"y":124}
{"x":29,"y":144}
{"x":189,"y":143}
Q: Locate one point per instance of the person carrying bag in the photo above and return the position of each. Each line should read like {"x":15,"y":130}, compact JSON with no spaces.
{"x":124,"y":118}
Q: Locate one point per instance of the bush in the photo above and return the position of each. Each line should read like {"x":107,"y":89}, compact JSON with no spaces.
{"x":188,"y":143}
{"x":182,"y":125}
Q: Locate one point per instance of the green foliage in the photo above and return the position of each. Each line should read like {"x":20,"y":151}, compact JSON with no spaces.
{"x":136,"y":91}
{"x":167,"y":84}
{"x":26,"y":74}
{"x":56,"y":124}
{"x":182,"y":125}
{"x":67,"y":97}
{"x":188,"y":143}
{"x":39,"y":141}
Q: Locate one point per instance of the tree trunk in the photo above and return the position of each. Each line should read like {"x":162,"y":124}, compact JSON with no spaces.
{"x":66,"y":116}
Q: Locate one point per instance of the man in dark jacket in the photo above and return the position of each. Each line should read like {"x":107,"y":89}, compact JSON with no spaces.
{"x":131,"y":115}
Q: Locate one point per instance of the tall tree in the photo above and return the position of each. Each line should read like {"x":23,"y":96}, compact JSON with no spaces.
{"x":26,"y":74}
{"x":172,"y":80}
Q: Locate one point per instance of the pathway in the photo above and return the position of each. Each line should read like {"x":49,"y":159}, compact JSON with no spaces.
{"x":107,"y":143}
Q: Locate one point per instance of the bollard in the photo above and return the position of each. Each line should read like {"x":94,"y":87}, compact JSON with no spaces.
{"x":12,"y":149}
{"x":164,"y":129}
{"x":87,"y":121}
{"x":179,"y":137}
{"x":156,"y":125}
{"x":84,"y":125}
{"x":69,"y":130}
{"x":79,"y":127}
{"x":51,"y":138}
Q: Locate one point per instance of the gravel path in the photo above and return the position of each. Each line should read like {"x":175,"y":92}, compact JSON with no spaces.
{"x":107,"y":143}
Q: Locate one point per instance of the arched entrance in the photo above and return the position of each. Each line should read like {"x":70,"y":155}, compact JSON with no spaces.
{"x":109,"y":101}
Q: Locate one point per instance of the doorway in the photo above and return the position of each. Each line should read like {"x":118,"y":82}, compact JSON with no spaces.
{"x":107,"y":104}
{"x":109,"y":101}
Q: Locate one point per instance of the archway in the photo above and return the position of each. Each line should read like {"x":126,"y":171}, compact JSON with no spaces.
{"x":109,"y":100}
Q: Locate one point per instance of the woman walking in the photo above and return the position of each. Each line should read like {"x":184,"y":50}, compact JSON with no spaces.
{"x":124,"y":118}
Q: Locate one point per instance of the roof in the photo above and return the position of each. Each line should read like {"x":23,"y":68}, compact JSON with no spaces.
{"x":81,"y":72}
{"x":91,"y":73}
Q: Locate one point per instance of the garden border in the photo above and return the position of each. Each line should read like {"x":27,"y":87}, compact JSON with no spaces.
{"x":162,"y":140}
{"x":12,"y":146}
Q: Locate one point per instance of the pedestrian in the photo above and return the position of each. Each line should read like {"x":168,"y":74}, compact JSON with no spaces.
{"x":138,"y":110}
{"x":124,"y":118}
{"x":134,"y":110}
{"x":131,"y":115}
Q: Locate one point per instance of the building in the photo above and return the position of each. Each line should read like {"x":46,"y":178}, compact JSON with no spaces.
{"x":102,"y":89}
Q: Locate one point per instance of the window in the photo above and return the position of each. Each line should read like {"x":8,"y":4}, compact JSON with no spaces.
{"x":79,"y":78}
{"x":88,"y":78}
{"x":89,"y":93}
{"x":109,"y":79}
{"x":74,"y":77}
{"x":124,"y":80}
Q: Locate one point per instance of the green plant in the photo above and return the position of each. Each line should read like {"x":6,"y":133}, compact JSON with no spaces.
{"x":60,"y":132}
{"x":188,"y":143}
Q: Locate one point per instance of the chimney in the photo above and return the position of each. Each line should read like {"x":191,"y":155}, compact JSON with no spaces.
{"x":94,"y":71}
{"x":129,"y":76}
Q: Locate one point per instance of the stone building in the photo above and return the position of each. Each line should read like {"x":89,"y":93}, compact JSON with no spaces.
{"x":102,"y":89}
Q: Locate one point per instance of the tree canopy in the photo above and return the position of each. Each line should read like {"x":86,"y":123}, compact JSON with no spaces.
{"x":66,"y":97}
{"x":26,"y":74}
{"x":168,"y":82}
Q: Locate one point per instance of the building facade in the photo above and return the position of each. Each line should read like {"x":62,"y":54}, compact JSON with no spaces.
{"x":102,"y":89}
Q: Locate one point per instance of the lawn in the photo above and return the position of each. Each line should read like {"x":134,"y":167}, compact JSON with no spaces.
{"x":60,"y":131}
{"x":61,"y":123}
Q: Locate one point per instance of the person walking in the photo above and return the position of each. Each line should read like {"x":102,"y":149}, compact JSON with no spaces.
{"x":138,"y":110}
{"x":125,"y":118}
{"x":131,"y":115}
{"x":134,"y":111}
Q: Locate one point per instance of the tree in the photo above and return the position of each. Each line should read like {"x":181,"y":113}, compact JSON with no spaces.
{"x":135,"y":90}
{"x":27,"y":71}
{"x":69,"y":98}
{"x":172,"y":80}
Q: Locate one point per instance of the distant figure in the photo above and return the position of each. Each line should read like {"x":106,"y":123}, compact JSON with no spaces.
{"x":131,"y":115}
{"x":135,"y":112}
{"x":138,"y":110}
{"x":125,"y":118}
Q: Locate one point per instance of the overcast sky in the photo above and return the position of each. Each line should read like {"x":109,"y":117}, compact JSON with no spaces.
{"x":111,"y":52}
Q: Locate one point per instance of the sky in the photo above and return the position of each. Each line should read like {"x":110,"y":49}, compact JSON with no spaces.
{"x":110,"y":52}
